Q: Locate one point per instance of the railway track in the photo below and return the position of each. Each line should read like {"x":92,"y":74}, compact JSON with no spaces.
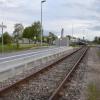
{"x":56,"y":94}
{"x":46,"y":83}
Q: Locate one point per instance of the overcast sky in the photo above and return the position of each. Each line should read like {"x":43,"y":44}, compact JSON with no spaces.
{"x":84,"y":15}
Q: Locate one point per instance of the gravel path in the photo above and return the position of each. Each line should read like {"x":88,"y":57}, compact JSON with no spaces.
{"x":87,"y":73}
{"x":41,"y":87}
{"x":93,"y":72}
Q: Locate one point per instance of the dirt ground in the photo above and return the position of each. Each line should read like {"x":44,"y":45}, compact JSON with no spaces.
{"x":91,"y":90}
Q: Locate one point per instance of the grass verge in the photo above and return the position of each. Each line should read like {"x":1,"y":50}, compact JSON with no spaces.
{"x":12,"y":47}
{"x":93,"y":92}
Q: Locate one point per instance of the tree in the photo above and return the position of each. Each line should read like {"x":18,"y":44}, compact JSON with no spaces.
{"x":18,"y":33}
{"x":69,"y":37}
{"x":27,"y":33}
{"x":36,"y":29}
{"x":0,"y":39}
{"x":52,"y":37}
{"x":33,"y":32}
{"x":97,"y":40}
{"x":7,"y":38}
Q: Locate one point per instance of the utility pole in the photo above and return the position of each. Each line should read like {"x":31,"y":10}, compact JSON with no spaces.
{"x":2,"y":26}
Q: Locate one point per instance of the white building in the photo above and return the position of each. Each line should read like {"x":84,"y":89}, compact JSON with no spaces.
{"x":62,"y":41}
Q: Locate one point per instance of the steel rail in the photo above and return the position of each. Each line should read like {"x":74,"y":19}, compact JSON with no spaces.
{"x":55,"y":94}
{"x":14,"y":85}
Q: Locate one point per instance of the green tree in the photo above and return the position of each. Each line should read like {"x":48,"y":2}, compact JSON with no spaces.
{"x":0,"y":39}
{"x":97,"y":40}
{"x":18,"y":33}
{"x":36,"y":29}
{"x":7,"y":38}
{"x":45,"y":39}
{"x":52,"y":37}
{"x":33,"y":32}
{"x":27,"y":33}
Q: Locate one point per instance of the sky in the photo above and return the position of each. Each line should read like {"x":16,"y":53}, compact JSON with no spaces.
{"x":80,"y":18}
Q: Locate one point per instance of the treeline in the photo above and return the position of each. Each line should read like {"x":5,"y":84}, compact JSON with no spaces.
{"x":7,"y":39}
{"x":32,"y":33}
{"x":97,"y":40}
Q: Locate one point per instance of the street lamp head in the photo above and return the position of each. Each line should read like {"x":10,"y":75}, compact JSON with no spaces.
{"x":43,"y":1}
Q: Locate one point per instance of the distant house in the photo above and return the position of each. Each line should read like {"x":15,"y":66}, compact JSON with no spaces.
{"x":25,"y":41}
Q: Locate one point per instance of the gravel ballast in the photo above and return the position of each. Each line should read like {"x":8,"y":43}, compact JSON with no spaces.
{"x":42,"y":86}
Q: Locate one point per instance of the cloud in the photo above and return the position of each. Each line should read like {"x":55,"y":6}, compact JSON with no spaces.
{"x":95,"y":28}
{"x":83,"y":14}
{"x":11,"y":3}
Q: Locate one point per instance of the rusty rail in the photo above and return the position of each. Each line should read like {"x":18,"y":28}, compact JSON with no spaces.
{"x":24,"y":80}
{"x":55,"y":95}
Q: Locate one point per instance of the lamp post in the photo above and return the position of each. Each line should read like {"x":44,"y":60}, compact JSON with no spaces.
{"x":2,"y":27}
{"x":41,"y":21}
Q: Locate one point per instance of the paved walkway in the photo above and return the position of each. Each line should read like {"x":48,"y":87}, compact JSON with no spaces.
{"x":24,"y":51}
